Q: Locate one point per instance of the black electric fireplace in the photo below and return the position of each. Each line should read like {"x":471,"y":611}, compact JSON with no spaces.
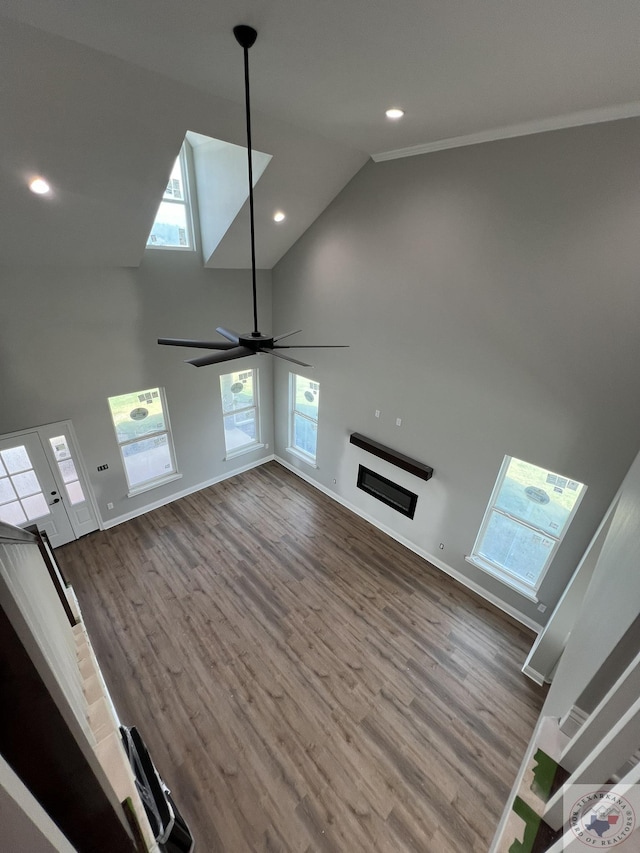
{"x":386,"y":491}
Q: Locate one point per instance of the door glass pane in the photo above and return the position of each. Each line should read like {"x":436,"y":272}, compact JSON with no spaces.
{"x":26,"y":483}
{"x":7,"y":492}
{"x":12,"y":513}
{"x":60,"y":448}
{"x":35,"y":506}
{"x":517,"y":549}
{"x":68,"y":470}
{"x":16,"y":459}
{"x":148,"y":459}
{"x":75,"y":493}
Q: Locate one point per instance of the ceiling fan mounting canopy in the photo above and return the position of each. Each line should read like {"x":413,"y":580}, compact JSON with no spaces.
{"x":246,"y":343}
{"x":245,"y":35}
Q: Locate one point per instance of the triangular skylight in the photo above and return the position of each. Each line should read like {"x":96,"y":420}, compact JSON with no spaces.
{"x":221,"y":179}
{"x":219,"y":171}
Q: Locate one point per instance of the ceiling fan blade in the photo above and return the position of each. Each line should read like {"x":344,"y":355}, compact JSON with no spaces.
{"x":287,"y":335}
{"x":286,"y":357}
{"x":217,"y":357}
{"x":311,"y":346}
{"x":229,"y":334}
{"x":186,"y":342}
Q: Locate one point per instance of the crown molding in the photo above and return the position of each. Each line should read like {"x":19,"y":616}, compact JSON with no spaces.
{"x":525,"y":128}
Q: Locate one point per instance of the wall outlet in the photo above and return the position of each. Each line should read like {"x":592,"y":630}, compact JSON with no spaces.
{"x":542,"y":607}
{"x":377,"y":413}
{"x":109,"y":505}
{"x":334,"y":481}
{"x":266,"y":447}
{"x":398,"y":421}
{"x":442,"y":546}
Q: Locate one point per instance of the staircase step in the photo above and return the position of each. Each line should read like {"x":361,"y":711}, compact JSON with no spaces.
{"x":548,"y":776}
{"x":523,"y":830}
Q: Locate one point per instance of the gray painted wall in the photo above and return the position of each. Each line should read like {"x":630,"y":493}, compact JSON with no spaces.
{"x":490,"y":296}
{"x":70,"y":338}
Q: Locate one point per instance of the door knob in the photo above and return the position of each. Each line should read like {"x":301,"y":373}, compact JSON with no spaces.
{"x":57,"y":500}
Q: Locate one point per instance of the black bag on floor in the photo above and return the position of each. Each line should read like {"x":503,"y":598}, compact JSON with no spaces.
{"x":167,"y":824}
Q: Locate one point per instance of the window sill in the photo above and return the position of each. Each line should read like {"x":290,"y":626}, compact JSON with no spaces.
{"x":146,"y":487}
{"x":503,"y":577}
{"x":309,"y":461}
{"x":242,"y":450}
{"x":171,"y":248}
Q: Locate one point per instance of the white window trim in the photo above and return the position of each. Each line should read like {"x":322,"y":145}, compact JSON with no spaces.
{"x":291,"y":448}
{"x":257,"y":443}
{"x":132,"y":491}
{"x":506,"y":578}
{"x":497,"y":571}
{"x":153,"y":484}
{"x":248,"y":448}
{"x":295,"y":451}
{"x":186,"y":203}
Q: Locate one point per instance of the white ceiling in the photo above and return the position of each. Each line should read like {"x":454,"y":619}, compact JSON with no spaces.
{"x":99,"y":94}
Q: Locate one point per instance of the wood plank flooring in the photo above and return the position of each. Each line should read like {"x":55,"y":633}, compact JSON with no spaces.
{"x":305,"y":684}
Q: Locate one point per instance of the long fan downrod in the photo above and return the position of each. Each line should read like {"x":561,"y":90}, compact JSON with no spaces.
{"x":241,"y":345}
{"x":246,"y":37}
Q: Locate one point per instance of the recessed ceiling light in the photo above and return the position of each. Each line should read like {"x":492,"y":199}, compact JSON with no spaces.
{"x":394,"y":113}
{"x":39,"y":186}
{"x":279,"y":216}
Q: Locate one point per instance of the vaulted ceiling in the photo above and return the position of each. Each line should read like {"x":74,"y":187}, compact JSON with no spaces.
{"x":98,"y":96}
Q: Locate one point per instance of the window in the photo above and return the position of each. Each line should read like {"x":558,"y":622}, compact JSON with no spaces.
{"x":172,"y":228}
{"x":304,"y":397}
{"x":21,"y":495}
{"x":528,"y":514}
{"x":239,"y":392}
{"x":67,"y":469}
{"x":143,"y":433}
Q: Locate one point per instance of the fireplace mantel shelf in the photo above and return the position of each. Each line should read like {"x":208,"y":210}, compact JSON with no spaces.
{"x":418,"y":469}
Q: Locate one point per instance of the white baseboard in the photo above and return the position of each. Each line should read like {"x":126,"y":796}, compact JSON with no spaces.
{"x":573,"y":720}
{"x":430,"y":558}
{"x":113,"y":522}
{"x":627,"y":767}
{"x":531,"y":673}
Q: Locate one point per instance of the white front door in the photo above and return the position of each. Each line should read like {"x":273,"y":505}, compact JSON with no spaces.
{"x":42,"y":483}
{"x":64,"y":458}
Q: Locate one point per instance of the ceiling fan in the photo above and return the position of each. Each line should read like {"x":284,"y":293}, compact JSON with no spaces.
{"x":246,"y":343}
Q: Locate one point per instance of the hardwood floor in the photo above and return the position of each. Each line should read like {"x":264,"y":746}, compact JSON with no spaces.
{"x":305,"y":684}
